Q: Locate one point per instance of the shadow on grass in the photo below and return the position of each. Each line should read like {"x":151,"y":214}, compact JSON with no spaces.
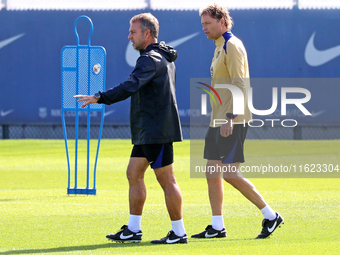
{"x":11,"y":200}
{"x":78,"y":248}
{"x":196,"y":240}
{"x":112,"y":246}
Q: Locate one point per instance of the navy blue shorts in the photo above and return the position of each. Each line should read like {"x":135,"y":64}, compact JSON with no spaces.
{"x":227,"y":149}
{"x":158,"y":155}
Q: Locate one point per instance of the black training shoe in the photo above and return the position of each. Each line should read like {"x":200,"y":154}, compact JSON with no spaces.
{"x":125,"y":235}
{"x":171,"y":238}
{"x":268,"y":226}
{"x":210,"y":232}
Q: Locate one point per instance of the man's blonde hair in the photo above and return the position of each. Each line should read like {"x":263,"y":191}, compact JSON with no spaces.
{"x":147,"y":21}
{"x":218,"y":12}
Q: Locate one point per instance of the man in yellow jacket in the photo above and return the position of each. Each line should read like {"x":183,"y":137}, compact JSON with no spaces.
{"x":224,"y":143}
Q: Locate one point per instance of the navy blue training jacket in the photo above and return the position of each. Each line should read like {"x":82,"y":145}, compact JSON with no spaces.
{"x":153,"y":110}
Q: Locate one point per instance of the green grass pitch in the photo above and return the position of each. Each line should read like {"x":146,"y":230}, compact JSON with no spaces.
{"x":38,"y":217}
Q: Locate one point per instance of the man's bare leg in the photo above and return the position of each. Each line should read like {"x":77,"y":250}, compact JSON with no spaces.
{"x":173,"y":200}
{"x":246,"y":187}
{"x":173,"y":196}
{"x":137,"y":190}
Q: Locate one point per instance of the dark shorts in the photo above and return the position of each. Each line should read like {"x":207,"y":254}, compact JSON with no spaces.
{"x":227,"y":149}
{"x":158,"y":155}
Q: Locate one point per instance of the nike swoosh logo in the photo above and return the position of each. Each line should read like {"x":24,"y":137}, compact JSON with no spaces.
{"x":5,"y":42}
{"x":125,"y":237}
{"x":131,"y":55}
{"x":210,"y":236}
{"x":3,"y":114}
{"x":172,"y":241}
{"x":314,"y":114}
{"x":108,"y":113}
{"x":273,"y":227}
{"x":316,"y":57}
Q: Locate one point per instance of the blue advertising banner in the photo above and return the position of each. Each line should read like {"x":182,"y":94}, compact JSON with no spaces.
{"x":279,"y":43}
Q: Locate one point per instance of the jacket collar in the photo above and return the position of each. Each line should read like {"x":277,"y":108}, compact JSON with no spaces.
{"x":148,"y":48}
{"x":224,"y":38}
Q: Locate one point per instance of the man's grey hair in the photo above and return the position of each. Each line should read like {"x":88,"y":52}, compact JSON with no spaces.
{"x":147,"y":21}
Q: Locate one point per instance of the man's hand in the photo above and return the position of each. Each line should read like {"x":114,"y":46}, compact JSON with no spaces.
{"x":87,"y":99}
{"x":227,"y":128}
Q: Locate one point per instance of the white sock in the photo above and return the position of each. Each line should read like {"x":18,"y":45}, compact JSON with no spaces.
{"x":135,"y":223}
{"x":217,"y":222}
{"x":268,"y":213}
{"x":178,"y":227}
